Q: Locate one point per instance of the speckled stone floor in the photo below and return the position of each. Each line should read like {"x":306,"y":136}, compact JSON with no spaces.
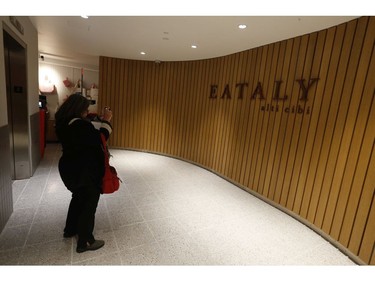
{"x":167,"y":212}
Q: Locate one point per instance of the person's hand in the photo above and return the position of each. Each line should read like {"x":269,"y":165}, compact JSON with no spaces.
{"x":107,"y":114}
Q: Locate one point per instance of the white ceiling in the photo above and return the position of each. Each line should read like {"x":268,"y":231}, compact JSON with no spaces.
{"x":166,"y":38}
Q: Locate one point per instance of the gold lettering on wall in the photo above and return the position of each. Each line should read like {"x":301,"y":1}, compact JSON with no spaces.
{"x":258,"y":93}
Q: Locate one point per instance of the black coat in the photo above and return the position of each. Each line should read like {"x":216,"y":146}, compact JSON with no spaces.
{"x":82,"y":161}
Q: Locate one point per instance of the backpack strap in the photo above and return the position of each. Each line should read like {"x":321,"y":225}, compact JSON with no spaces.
{"x":71,"y":121}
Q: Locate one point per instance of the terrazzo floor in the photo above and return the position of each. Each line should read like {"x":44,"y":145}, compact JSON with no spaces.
{"x":167,"y":212}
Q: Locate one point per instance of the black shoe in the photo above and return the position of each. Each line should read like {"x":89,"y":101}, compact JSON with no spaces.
{"x":91,"y":247}
{"x":68,"y":234}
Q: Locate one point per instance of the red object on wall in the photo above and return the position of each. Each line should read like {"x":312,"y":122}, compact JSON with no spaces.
{"x":42,"y":132}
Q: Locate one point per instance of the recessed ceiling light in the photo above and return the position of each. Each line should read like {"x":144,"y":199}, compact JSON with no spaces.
{"x":143,"y":53}
{"x":242,"y":26}
{"x":85,"y":17}
{"x":194,"y":46}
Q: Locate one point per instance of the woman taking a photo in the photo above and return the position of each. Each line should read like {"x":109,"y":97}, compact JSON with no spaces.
{"x":81,"y":167}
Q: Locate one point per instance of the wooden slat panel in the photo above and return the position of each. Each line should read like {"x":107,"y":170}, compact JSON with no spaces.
{"x":171,"y":117}
{"x":221,"y":117}
{"x":256,"y":121}
{"x":110,"y":99}
{"x":153,"y":95}
{"x":316,"y":164}
{"x":134,"y":92}
{"x":157,"y":108}
{"x":125,"y":107}
{"x":169,"y":91}
{"x":238,"y":120}
{"x":243,"y":106}
{"x":349,"y":61}
{"x":279,"y":168}
{"x":278,"y":128}
{"x":366,"y":196}
{"x":310,"y":124}
{"x":228,"y":125}
{"x":121,"y":104}
{"x":352,"y":177}
{"x":217,"y":115}
{"x":224,"y":117}
{"x":254,"y":78}
{"x":146,"y":106}
{"x":141,"y":106}
{"x":336,"y":117}
{"x":301,"y":121}
{"x":150,"y":94}
{"x":138,"y":120}
{"x":139,"y":114}
{"x":318,"y":115}
{"x":262,"y":119}
{"x":116,"y":103}
{"x":211,"y":79}
{"x":285,"y":169}
{"x":211,"y":109}
{"x":165,"y":90}
{"x":142,"y":98}
{"x":184,"y":115}
{"x":202,"y":104}
{"x":367,"y":248}
{"x":190,"y":134}
{"x":273,"y":126}
{"x":294,"y":123}
{"x":130,"y":107}
{"x":235,"y":111}
{"x":184,"y":112}
{"x":203,"y":107}
{"x":235,"y":132}
{"x":348,"y":198}
{"x":251,"y":127}
{"x":268,"y":83}
{"x":326,"y":124}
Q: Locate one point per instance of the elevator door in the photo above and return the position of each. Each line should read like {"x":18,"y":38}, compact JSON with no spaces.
{"x":16,"y":87}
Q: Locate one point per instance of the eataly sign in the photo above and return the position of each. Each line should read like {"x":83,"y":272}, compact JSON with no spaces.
{"x":258,"y":93}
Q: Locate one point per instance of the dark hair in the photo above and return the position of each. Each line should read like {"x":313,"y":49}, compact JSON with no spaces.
{"x":73,"y":107}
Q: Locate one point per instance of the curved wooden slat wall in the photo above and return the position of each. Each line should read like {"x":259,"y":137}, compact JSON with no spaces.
{"x":317,"y":162}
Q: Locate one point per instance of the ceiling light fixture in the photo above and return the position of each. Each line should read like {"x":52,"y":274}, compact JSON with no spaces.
{"x":242,"y":26}
{"x":194,"y":46}
{"x":85,"y":17}
{"x":143,"y":53}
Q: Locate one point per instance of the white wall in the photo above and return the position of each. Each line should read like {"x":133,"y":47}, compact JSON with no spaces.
{"x":56,"y":72}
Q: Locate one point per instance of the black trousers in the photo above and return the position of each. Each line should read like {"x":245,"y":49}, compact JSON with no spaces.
{"x":81,"y":214}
